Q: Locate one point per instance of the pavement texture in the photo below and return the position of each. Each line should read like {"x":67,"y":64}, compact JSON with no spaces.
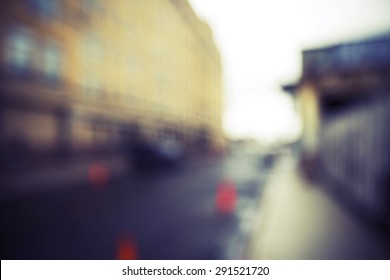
{"x":274,"y":214}
{"x":298,"y":219}
{"x":58,"y":176}
{"x":171,"y":215}
{"x":69,"y":174}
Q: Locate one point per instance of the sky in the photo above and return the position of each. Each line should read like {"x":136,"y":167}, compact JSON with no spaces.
{"x":261,"y":43}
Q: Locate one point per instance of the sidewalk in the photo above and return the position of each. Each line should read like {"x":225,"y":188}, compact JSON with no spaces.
{"x":299,"y":220}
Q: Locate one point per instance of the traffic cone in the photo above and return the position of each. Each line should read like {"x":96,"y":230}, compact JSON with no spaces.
{"x":127,"y":248}
{"x":98,"y":175}
{"x":226,"y":197}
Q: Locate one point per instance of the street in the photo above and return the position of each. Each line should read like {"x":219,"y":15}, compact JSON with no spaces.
{"x":167,"y":216}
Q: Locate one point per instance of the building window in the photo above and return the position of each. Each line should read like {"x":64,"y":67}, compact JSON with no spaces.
{"x":46,"y":9}
{"x":91,"y":87}
{"x":51,"y":61}
{"x":19,"y":50}
{"x":30,"y":55}
{"x":94,"y":6}
{"x":92,"y":49}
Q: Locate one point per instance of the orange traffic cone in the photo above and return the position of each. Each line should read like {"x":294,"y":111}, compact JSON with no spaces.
{"x":98,"y":175}
{"x":127,"y":249}
{"x":226,"y":197}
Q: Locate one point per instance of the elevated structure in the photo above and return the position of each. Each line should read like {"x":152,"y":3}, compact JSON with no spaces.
{"x":77,"y":77}
{"x":344,"y":100}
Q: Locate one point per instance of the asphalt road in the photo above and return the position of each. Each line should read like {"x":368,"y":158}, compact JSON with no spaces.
{"x":166,"y":216}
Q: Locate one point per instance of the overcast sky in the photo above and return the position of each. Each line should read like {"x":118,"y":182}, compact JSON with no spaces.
{"x":261,"y":42}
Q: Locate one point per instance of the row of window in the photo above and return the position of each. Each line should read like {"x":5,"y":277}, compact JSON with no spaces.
{"x":52,"y":9}
{"x":26,"y":52}
{"x":45,"y":9}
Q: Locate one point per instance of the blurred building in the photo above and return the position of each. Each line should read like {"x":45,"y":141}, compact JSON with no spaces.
{"x":344,"y":100}
{"x":81,"y":77}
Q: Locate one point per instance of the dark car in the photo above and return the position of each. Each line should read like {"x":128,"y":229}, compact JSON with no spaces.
{"x":148,"y":157}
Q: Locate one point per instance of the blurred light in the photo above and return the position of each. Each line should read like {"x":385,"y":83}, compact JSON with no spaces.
{"x":127,"y":248}
{"x":98,"y":175}
{"x":226,"y":197}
